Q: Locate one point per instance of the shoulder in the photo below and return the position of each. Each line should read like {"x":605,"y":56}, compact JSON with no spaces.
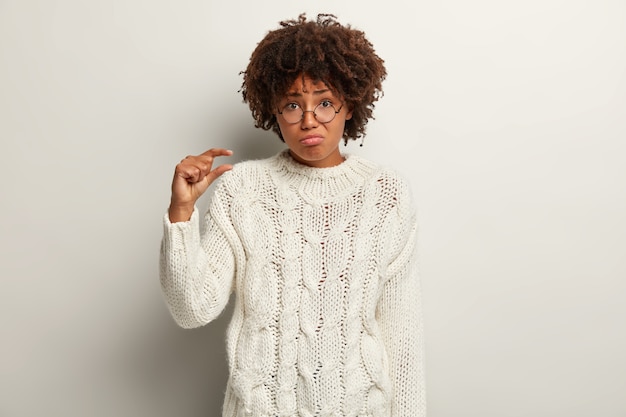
{"x":388,"y":182}
{"x":252,"y":166}
{"x":245,"y":172}
{"x":393,"y":181}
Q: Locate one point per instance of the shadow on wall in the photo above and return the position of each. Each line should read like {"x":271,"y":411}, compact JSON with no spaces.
{"x":255,"y":144}
{"x":181,"y":372}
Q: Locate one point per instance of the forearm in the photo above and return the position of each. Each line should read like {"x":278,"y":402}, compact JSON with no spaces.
{"x":196,"y":277}
{"x":403,"y":334}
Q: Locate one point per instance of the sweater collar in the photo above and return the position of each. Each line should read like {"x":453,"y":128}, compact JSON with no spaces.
{"x":322,"y":182}
{"x":351,"y":166}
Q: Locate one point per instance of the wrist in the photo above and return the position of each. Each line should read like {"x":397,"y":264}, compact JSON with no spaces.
{"x":180,"y":212}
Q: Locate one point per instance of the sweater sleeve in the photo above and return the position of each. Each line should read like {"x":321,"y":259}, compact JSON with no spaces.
{"x":197,"y":271}
{"x":399,"y":313}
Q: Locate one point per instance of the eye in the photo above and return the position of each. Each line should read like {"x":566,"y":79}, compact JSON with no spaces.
{"x":291,"y":107}
{"x":326,"y":103}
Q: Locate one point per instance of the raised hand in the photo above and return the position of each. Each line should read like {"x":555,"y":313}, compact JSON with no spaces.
{"x":192,"y":177}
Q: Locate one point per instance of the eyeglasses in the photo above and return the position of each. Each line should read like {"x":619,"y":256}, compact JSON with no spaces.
{"x":324,"y":112}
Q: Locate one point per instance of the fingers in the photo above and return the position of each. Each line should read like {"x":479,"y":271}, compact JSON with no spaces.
{"x":217,"y":152}
{"x":195,"y":168}
{"x":192,"y":177}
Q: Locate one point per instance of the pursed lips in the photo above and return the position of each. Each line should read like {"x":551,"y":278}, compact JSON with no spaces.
{"x":311,"y":140}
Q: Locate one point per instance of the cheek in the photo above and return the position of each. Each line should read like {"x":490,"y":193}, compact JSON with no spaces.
{"x":287,"y":131}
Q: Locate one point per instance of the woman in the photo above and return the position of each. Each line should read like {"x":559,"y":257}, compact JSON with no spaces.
{"x":318,"y":246}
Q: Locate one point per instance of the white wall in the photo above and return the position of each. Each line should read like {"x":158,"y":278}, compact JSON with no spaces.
{"x":508,"y":117}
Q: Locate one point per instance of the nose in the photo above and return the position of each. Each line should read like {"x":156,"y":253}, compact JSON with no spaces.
{"x":308,"y":119}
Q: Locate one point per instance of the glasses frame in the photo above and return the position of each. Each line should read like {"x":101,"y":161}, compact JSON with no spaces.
{"x":311,"y":111}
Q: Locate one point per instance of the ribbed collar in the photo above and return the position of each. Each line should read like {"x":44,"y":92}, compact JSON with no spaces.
{"x":322,"y":183}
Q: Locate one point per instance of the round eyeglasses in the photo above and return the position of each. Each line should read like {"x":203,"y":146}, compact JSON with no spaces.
{"x":324,"y":112}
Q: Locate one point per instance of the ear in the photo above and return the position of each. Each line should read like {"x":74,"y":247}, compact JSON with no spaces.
{"x":349,"y":113}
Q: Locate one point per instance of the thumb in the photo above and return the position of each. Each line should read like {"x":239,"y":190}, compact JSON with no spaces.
{"x":217,"y":172}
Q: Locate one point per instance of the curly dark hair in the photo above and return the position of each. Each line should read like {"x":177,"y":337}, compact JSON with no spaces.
{"x":324,"y":50}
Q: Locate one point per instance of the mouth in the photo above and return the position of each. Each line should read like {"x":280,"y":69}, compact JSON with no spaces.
{"x":311,"y":140}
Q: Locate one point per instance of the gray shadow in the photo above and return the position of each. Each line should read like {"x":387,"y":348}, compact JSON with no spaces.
{"x":179,"y":372}
{"x":255,"y":144}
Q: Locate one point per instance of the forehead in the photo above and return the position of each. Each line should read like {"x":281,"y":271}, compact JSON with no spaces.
{"x":307,"y":85}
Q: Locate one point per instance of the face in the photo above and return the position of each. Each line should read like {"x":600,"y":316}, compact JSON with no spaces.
{"x":311,"y":142}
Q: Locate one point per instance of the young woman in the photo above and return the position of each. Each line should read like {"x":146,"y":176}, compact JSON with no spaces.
{"x":318,"y":246}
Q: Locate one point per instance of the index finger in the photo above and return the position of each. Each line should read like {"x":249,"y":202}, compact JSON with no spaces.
{"x":213,"y":152}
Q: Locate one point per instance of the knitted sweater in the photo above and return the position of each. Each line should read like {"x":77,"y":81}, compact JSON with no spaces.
{"x":327,"y":316}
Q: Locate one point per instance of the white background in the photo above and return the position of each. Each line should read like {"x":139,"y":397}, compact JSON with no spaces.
{"x":508,"y":118}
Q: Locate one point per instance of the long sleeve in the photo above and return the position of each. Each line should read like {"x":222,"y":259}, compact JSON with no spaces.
{"x":197,"y":272}
{"x":399,"y":313}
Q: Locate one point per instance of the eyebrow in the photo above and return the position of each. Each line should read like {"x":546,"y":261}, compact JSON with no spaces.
{"x":316,"y":92}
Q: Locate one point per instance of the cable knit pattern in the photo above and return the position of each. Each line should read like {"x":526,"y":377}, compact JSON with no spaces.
{"x":327,"y":319}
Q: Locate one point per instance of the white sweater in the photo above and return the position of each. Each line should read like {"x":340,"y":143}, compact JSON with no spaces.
{"x":327,"y":319}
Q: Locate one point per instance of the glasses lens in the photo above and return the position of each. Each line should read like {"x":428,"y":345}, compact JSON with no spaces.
{"x":325,"y":112}
{"x":292,"y":113}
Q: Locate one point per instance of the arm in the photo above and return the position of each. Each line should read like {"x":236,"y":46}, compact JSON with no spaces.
{"x":399,"y":313}
{"x":197,"y":272}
